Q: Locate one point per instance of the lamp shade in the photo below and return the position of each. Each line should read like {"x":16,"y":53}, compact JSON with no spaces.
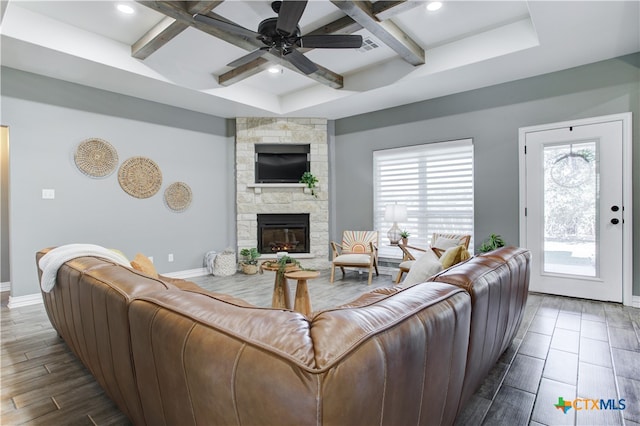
{"x":395,"y":213}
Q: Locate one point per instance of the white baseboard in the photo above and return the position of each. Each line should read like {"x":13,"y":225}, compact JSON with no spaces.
{"x":189,"y":273}
{"x":6,"y":286}
{"x":635,"y":301}
{"x":28,"y":300}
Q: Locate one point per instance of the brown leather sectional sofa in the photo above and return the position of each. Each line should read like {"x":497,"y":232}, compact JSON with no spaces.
{"x":170,"y":353}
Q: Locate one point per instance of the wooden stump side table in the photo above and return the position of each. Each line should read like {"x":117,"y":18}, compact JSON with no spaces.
{"x":302,"y":301}
{"x":281,"y":298}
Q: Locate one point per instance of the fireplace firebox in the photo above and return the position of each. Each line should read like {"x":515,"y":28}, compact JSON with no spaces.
{"x":283,"y":232}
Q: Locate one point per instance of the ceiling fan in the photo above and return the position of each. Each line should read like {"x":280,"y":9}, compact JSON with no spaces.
{"x":281,"y":36}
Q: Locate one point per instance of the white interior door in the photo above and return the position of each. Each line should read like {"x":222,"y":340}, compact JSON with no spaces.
{"x":574,"y":207}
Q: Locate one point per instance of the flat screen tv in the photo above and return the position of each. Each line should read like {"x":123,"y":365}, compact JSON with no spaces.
{"x":281,"y":163}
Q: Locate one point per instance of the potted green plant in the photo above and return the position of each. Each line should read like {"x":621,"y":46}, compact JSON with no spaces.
{"x":311,"y":181}
{"x":285,"y":262}
{"x":249,"y":263}
{"x":405,"y":236}
{"x":493,"y":242}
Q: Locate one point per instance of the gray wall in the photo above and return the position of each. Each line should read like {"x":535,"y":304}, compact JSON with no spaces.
{"x":47,"y":119}
{"x":492,"y":117}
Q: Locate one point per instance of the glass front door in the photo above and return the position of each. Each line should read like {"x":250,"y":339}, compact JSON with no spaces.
{"x":574,"y":213}
{"x":571,"y":206}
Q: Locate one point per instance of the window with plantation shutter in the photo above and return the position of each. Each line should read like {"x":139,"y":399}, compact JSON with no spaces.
{"x":434,"y":181}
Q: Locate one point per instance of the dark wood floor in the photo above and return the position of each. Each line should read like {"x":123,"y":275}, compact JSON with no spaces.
{"x":565,"y":348}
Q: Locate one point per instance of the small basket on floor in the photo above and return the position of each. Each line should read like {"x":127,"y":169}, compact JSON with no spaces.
{"x":249,"y":269}
{"x":225,"y":263}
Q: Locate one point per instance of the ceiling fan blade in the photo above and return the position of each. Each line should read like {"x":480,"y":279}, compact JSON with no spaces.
{"x":331,"y":41}
{"x":300,"y":61}
{"x":289,"y":16}
{"x":229,"y":27}
{"x":248,"y":57}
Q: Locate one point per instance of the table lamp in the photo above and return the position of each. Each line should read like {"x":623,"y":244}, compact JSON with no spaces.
{"x":395,"y":213}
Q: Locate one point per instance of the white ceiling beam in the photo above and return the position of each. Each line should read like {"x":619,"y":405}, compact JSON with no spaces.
{"x":386,"y":31}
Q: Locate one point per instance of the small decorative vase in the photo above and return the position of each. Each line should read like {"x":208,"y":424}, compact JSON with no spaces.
{"x":405,"y":241}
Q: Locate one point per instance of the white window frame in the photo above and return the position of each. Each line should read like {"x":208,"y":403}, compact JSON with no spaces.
{"x":434,"y":180}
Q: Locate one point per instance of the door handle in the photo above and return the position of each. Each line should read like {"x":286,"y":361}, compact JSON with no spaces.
{"x":615,"y":221}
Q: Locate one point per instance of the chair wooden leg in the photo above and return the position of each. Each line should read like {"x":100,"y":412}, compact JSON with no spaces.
{"x":342,"y":269}
{"x":333,"y":273}
{"x":370,"y":276}
{"x":399,"y":277}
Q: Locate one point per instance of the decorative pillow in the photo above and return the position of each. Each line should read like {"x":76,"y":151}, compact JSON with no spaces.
{"x":453,"y":256}
{"x":119,"y":252}
{"x":446,"y":243}
{"x":423,"y":268}
{"x":143,"y":264}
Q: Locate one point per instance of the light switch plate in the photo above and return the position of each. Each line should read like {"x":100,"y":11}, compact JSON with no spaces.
{"x":48,"y":194}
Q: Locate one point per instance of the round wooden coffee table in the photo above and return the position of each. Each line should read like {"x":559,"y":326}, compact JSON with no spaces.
{"x":302,"y":302}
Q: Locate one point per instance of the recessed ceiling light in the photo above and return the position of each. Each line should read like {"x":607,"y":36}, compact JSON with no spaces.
{"x":434,"y":5}
{"x":275,"y":69}
{"x":125,"y":8}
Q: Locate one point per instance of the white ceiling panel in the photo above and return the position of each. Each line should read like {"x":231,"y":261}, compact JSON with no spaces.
{"x":100,"y":17}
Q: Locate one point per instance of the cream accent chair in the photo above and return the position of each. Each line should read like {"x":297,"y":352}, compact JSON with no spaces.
{"x":439,"y":244}
{"x":359,"y":249}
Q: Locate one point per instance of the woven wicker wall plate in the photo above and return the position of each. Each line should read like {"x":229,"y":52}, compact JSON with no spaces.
{"x":96,"y":157}
{"x":140,"y":177}
{"x":178,"y":196}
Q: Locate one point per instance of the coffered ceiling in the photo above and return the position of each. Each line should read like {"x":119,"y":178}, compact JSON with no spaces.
{"x":161,"y":53}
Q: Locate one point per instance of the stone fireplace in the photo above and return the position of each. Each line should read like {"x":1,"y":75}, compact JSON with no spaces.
{"x":276,"y":201}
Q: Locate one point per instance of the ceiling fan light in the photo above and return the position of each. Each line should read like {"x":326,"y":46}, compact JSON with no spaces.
{"x":433,"y":6}
{"x":125,"y":8}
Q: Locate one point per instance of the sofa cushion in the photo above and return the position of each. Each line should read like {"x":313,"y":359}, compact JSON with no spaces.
{"x":204,"y":361}
{"x":453,"y":256}
{"x":407,"y":264}
{"x":143,"y":264}
{"x":424,"y":267}
{"x":353,"y":259}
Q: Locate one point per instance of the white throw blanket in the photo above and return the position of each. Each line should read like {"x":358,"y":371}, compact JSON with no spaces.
{"x":53,"y":260}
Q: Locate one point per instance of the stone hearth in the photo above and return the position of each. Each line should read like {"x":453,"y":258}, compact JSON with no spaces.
{"x":253,"y":199}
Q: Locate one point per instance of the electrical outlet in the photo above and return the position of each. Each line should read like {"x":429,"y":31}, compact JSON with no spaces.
{"x":170,"y":257}
{"x":151,"y":259}
{"x":48,"y":194}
